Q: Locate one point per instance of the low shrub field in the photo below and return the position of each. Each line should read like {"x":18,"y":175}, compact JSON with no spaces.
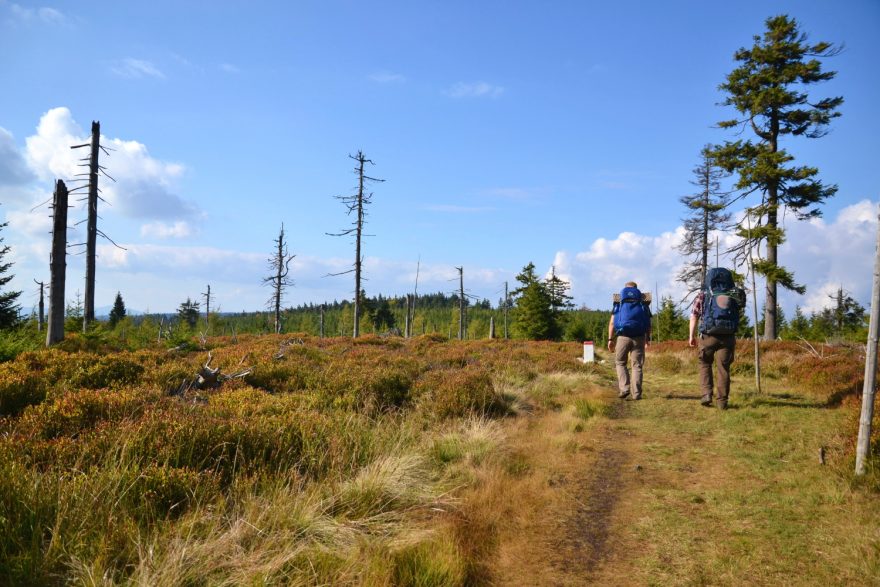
{"x":317,"y":466}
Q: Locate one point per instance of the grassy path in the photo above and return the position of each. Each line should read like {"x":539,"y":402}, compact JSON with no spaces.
{"x":666,"y":492}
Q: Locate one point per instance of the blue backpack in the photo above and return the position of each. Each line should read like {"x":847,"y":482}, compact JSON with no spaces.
{"x":631,"y":315}
{"x":722,"y":303}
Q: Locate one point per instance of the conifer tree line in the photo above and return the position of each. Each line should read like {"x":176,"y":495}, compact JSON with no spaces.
{"x":771,"y":90}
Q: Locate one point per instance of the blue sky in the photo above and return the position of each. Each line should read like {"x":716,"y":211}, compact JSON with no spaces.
{"x":507,"y":132}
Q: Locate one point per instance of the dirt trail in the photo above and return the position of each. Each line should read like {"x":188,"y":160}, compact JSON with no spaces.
{"x":580,"y":485}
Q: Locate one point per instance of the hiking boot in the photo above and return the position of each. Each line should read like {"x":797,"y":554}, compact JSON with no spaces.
{"x":623,"y":395}
{"x":636,"y":398}
{"x":706,"y":401}
{"x":722,"y":404}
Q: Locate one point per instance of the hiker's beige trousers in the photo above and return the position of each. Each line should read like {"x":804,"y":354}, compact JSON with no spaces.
{"x":624,"y":347}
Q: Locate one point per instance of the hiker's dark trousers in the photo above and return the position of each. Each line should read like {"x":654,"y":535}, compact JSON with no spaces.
{"x":717,"y":348}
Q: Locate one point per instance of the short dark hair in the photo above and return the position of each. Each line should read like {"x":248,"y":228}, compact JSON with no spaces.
{"x":630,"y":284}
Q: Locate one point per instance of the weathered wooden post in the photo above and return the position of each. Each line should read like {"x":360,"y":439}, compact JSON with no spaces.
{"x":491,"y":327}
{"x":57,"y":265}
{"x":864,"y":442}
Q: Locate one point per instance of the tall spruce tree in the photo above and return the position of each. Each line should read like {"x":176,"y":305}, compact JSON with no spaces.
{"x":706,"y":213}
{"x":8,"y":306}
{"x":768,"y":89}
{"x":188,"y":312}
{"x":533,"y":314}
{"x":117,"y":313}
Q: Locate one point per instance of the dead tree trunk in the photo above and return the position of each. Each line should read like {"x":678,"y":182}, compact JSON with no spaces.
{"x":491,"y":327}
{"x":41,"y":317}
{"x":279,"y":263}
{"x":461,"y":317}
{"x":207,"y":296}
{"x":322,"y":320}
{"x":92,"y":227}
{"x":57,"y":265}
{"x":357,"y":203}
{"x":506,"y":306}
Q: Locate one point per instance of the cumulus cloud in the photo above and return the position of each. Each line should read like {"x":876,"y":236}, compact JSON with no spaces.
{"x":145,"y":186}
{"x":824,"y":255}
{"x":179,"y":229}
{"x":474,"y":90}
{"x":131,"y":68}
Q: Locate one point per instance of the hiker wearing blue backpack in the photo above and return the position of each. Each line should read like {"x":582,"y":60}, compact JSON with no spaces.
{"x":717,"y":308}
{"x":631,"y":324}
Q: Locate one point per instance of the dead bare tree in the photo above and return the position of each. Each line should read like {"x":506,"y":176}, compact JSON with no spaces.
{"x":57,"y":265}
{"x":41,"y":317}
{"x":207,"y":296}
{"x":279,"y":264}
{"x":357,"y":203}
{"x":461,"y":315}
{"x":92,"y":232}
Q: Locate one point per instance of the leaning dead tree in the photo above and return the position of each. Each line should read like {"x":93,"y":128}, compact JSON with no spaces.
{"x":57,"y":265}
{"x":357,"y":204}
{"x":279,"y":264}
{"x":92,"y":232}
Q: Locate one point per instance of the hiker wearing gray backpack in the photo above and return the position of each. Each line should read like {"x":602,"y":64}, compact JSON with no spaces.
{"x":631,"y":323}
{"x":717,"y":308}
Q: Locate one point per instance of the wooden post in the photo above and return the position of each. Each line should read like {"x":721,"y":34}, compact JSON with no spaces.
{"x":406,"y":324}
{"x":322,"y":320}
{"x":92,"y":227}
{"x":754,"y":307}
{"x":491,"y":327}
{"x":864,"y":442}
{"x":57,"y":265}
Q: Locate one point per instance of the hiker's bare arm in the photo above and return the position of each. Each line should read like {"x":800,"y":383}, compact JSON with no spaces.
{"x":611,"y":333}
{"x":691,"y":328}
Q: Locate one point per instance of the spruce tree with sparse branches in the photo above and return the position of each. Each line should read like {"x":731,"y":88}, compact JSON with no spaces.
{"x":706,"y":213}
{"x":768,"y":90}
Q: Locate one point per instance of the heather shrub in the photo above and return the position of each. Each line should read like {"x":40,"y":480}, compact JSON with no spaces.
{"x":449,"y":393}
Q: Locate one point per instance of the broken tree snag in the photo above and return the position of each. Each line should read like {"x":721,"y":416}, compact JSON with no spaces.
{"x":208,"y":378}
{"x":57,"y":265}
{"x":92,"y":226}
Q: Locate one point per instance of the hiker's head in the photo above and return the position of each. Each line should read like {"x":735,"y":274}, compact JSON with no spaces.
{"x":630,"y":284}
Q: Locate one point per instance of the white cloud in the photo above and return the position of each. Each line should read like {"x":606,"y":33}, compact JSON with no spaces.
{"x":823,"y":255}
{"x":43,"y":14}
{"x":229,"y":68}
{"x":474,"y":90}
{"x":179,"y":229}
{"x":387,"y":77}
{"x":136,"y":69}
{"x":144,"y":187}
